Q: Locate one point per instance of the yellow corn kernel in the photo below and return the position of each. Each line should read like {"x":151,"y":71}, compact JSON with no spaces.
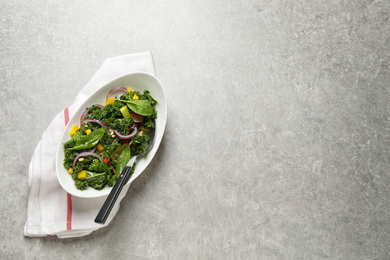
{"x":88,"y":131}
{"x":129,"y":90}
{"x":110,"y":101}
{"x":100,"y":147}
{"x":135,"y":97}
{"x":82,"y":175}
{"x":70,"y":170}
{"x":74,"y":130}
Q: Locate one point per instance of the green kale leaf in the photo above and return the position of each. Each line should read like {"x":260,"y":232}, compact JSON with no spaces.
{"x":111,"y":112}
{"x":122,"y":125}
{"x":97,"y":166}
{"x":140,"y":144}
{"x":95,"y":112}
{"x":93,"y":180}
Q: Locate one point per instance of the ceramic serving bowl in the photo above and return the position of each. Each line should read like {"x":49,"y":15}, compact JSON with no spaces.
{"x":137,"y":81}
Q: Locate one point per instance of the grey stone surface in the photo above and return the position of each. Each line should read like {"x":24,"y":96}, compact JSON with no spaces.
{"x":277,"y":144}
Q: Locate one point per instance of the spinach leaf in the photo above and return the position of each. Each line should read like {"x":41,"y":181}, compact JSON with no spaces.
{"x":123,"y":158}
{"x":88,"y":141}
{"x":141,"y":107}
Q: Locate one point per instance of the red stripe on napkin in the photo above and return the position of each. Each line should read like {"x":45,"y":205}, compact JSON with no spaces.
{"x":69,"y":197}
{"x":69,"y":213}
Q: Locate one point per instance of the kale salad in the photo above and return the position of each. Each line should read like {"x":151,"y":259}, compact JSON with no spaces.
{"x":108,"y":136}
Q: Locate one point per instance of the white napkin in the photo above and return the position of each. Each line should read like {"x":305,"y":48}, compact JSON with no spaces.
{"x":51,"y":210}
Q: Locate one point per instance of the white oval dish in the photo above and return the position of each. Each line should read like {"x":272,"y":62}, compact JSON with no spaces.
{"x":137,"y":81}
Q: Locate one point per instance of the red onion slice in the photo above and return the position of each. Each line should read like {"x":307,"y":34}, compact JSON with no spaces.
{"x":133,"y":126}
{"x":120,"y":89}
{"x":132,"y":134}
{"x":85,"y":154}
{"x":93,"y":121}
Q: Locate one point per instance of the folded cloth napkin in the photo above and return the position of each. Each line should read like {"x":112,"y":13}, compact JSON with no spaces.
{"x":51,"y":210}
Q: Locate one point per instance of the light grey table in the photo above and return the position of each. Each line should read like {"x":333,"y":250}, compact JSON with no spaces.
{"x":277,"y":144}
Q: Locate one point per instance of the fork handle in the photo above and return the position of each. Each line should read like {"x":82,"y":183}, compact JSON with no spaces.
{"x":114,"y":194}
